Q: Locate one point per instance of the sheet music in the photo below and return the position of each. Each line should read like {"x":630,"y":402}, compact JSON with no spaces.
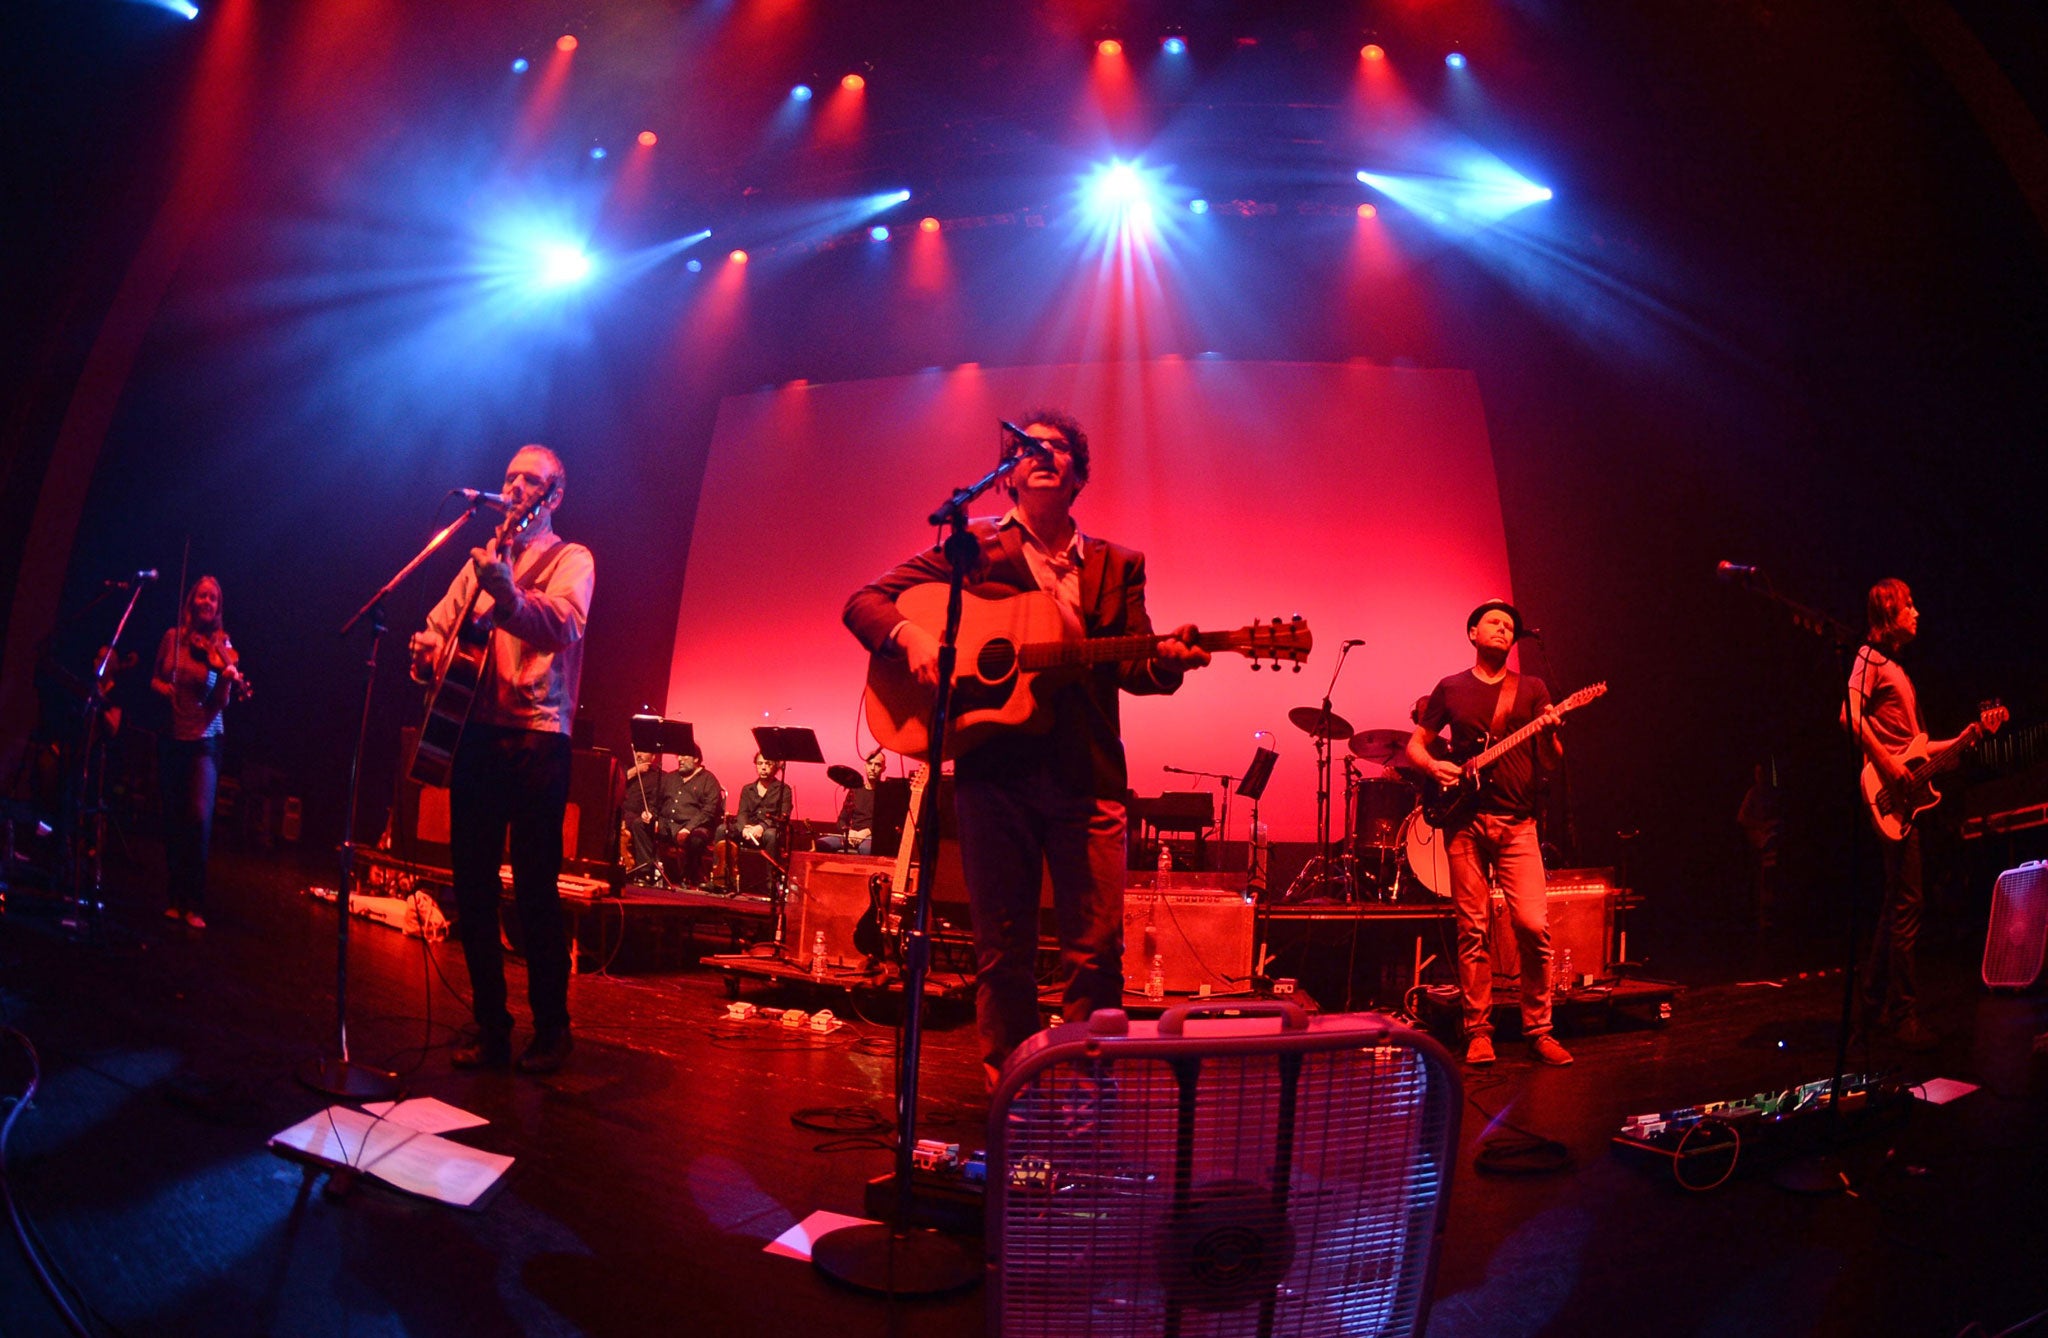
{"x":405,"y":1158}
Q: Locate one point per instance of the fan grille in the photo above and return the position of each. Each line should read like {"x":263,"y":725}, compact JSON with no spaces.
{"x":2017,"y":940}
{"x":1151,"y":1195}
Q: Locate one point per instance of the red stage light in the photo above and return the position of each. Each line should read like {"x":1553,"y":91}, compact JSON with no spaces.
{"x":1373,"y":51}
{"x":737,"y":257}
{"x":1368,"y":211}
{"x":1109,"y":46}
{"x":646,"y":139}
{"x":566,"y":42}
{"x":927,"y":225}
{"x":853,"y":83}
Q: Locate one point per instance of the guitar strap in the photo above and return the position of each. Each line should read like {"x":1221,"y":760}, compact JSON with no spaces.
{"x":1504,"y":704}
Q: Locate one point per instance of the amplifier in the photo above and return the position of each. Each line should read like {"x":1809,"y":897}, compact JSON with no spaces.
{"x":1204,"y":936}
{"x":830,"y":893}
{"x":1581,"y":917}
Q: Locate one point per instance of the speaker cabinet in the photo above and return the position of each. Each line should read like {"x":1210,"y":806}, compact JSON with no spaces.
{"x":1203,"y":935}
{"x":1581,"y":923}
{"x":2016,"y":943}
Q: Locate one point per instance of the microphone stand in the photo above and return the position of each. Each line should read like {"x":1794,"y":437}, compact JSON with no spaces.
{"x":1325,"y":746}
{"x":890,"y":1258}
{"x":337,"y":1074}
{"x":1821,"y":1172}
{"x":84,"y":855}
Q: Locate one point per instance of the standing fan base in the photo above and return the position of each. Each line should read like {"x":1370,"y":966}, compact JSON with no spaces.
{"x":877,"y":1258}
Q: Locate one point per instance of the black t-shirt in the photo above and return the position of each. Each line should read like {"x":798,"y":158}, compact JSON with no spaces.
{"x":1465,"y":702}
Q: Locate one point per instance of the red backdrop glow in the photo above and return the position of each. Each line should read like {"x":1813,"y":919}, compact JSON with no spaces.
{"x":1360,"y":497}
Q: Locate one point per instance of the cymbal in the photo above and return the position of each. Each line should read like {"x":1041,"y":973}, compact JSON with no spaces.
{"x":845,"y":777}
{"x":1319,"y":723}
{"x":1384,"y":746}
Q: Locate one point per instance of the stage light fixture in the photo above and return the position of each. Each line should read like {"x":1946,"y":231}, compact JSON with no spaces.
{"x":1174,"y":46}
{"x":927,"y":224}
{"x":801,"y":93}
{"x":184,"y":9}
{"x":1368,"y":211}
{"x":520,"y":66}
{"x":1198,"y":206}
{"x":1456,"y":60}
{"x":879,"y":233}
{"x":1373,"y":51}
{"x":562,"y":264}
{"x":694,"y":266}
{"x":647,"y":139}
{"x":737,"y":257}
{"x":597,"y":152}
{"x":566,"y":42}
{"x":1109,"y":47}
{"x":853,"y":83}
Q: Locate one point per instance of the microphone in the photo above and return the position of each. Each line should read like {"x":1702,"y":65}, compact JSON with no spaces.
{"x":497,"y":501}
{"x":1530,"y":634}
{"x":1026,"y":440}
{"x":143,"y":577}
{"x":1355,"y":641}
{"x":1735,"y":571}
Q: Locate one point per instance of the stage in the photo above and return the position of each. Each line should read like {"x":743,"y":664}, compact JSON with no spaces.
{"x":653,"y":1170}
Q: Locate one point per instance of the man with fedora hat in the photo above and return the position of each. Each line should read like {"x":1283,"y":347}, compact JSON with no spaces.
{"x":1489,"y":701}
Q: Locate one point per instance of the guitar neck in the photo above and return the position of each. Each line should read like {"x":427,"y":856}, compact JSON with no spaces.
{"x":1952,"y":755}
{"x":1107,"y":649}
{"x":1505,"y":746}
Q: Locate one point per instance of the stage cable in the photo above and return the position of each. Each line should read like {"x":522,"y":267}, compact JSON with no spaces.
{"x":1529,"y":1154}
{"x":64,"y":1294}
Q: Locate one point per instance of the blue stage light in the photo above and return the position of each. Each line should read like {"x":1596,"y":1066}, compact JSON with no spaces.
{"x":694,"y":266}
{"x":182,"y":8}
{"x":1198,"y":207}
{"x":1174,"y":46}
{"x":520,"y":66}
{"x":879,"y":233}
{"x":597,"y":152}
{"x":1456,"y":60}
{"x":894,"y":198}
{"x":561,"y":265}
{"x":801,"y":93}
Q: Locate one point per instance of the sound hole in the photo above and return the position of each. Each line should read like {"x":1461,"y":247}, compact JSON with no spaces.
{"x":995,"y":661}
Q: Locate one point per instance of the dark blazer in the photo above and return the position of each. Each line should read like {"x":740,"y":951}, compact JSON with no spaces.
{"x":1084,"y":748}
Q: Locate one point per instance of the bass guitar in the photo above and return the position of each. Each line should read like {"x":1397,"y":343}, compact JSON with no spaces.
{"x":1012,"y":646}
{"x":462,"y":668}
{"x":1893,"y":808}
{"x":895,"y":887}
{"x":1448,"y":806}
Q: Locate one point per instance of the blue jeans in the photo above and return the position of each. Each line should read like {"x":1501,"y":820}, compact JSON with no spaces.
{"x":190,"y":771}
{"x":1509,"y":844}
{"x":1010,"y":830}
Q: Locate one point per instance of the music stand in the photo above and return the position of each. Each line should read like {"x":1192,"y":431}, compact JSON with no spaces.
{"x":1256,"y":774}
{"x":782,"y":744}
{"x":652,"y":734}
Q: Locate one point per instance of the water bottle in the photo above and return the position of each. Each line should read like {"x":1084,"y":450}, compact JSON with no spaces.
{"x":1165,"y":858}
{"x":1155,"y":985}
{"x":818,"y":955}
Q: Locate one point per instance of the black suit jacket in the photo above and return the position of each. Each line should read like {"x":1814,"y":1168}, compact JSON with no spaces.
{"x":1084,"y":748}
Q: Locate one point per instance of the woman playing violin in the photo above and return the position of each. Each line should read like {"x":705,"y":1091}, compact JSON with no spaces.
{"x":197,"y":670}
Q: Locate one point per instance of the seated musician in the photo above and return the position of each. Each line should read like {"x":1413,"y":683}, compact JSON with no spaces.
{"x":694,"y":812}
{"x":764,"y":810}
{"x":641,"y":810}
{"x":857,"y":814}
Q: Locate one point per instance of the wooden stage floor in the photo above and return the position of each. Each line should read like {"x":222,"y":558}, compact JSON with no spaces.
{"x":653,"y":1170}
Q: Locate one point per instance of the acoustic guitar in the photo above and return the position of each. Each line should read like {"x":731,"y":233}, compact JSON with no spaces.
{"x":462,"y":668}
{"x":1012,"y":649}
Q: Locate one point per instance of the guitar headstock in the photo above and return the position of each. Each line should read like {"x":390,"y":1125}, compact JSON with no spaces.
{"x":1992,"y":715}
{"x":1590,"y":692}
{"x":519,"y":517}
{"x":1289,"y":639}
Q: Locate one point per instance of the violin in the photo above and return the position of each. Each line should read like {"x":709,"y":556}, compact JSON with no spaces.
{"x":216,"y":652}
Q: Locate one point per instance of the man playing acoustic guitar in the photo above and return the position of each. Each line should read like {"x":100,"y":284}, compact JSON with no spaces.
{"x":1482,"y":703}
{"x":511,"y":767}
{"x":1027,"y":801}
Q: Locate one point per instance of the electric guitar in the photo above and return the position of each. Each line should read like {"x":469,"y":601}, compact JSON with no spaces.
{"x":1893,"y":809}
{"x":885,"y":889}
{"x":1010,"y":645}
{"x":462,"y":668}
{"x":1448,"y":806}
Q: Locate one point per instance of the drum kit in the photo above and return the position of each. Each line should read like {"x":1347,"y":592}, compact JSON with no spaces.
{"x":1388,"y":852}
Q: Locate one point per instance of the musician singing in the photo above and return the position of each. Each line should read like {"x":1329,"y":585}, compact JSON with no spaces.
{"x":1490,"y":701}
{"x":1024,"y":801}
{"x":511,"y":768}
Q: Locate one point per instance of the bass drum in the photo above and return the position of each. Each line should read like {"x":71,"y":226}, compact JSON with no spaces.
{"x":1429,"y":856}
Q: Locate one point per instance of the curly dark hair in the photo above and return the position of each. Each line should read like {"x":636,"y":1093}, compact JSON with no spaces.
{"x":1069,"y":427}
